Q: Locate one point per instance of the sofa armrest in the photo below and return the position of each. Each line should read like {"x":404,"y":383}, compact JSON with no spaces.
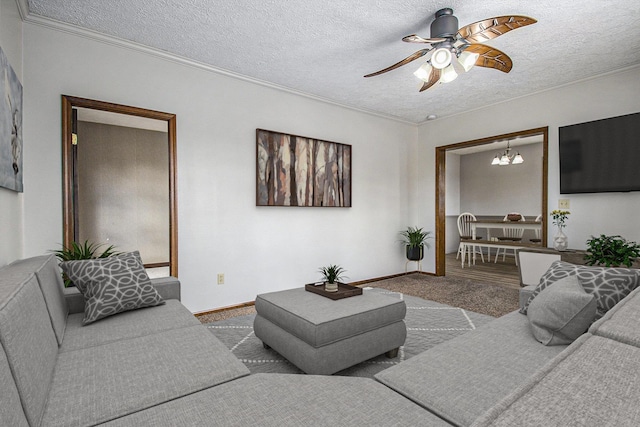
{"x":525,"y":293}
{"x":167,"y":287}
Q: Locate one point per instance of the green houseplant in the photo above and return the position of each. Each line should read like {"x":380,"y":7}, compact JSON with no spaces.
{"x":84,"y":250}
{"x":415,"y":240}
{"x":611,"y":251}
{"x":331,"y":274}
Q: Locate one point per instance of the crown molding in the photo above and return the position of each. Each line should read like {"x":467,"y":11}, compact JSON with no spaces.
{"x":126,"y":44}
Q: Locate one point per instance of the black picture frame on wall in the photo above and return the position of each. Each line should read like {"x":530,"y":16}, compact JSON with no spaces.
{"x":294,"y":170}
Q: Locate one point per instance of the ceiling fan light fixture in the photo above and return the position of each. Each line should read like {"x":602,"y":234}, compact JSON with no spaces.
{"x":448,"y":74}
{"x":423,"y":72}
{"x":467,"y":60}
{"x":441,"y":58}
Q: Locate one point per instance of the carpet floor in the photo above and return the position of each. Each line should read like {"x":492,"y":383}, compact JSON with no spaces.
{"x":492,"y":300}
{"x":428,"y":323}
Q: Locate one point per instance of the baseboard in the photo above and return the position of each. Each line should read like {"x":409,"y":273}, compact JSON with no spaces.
{"x":359,"y":284}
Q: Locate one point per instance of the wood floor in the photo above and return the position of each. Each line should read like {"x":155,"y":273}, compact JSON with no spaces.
{"x":503,"y":273}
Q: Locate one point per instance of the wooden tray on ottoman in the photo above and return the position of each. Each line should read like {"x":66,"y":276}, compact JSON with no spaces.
{"x":344,"y":290}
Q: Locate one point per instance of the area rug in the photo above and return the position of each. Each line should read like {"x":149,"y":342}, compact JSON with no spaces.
{"x":428,"y":323}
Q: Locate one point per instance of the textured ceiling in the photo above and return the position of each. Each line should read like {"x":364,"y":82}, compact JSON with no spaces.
{"x":323,"y":48}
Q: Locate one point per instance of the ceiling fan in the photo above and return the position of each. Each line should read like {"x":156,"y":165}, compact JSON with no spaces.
{"x":456,"y":50}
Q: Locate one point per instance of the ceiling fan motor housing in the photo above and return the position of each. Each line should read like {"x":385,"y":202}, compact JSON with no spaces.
{"x":445,"y":24}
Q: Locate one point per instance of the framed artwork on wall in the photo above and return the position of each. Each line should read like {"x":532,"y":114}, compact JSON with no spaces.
{"x":294,"y":170}
{"x":10,"y":127}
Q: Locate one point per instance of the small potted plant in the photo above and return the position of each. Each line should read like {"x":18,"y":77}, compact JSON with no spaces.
{"x":331,"y":274}
{"x":415,"y":240}
{"x":85,"y":250}
{"x":611,"y":251}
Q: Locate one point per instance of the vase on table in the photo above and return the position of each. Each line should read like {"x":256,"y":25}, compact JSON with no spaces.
{"x":560,"y":241}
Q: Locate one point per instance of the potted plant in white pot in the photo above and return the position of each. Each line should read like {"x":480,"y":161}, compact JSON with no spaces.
{"x":415,"y":241}
{"x":331,"y":274}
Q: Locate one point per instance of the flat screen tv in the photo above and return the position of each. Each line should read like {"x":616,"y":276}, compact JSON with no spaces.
{"x":600,"y":156}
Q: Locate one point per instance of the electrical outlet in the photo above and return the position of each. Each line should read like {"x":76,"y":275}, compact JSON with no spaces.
{"x":220,"y":278}
{"x":563,"y":203}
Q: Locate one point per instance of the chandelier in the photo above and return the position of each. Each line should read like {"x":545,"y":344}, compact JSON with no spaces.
{"x":506,"y":158}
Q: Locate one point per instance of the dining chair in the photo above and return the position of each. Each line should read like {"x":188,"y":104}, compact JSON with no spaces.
{"x":537,"y":231}
{"x":510,"y":235}
{"x":464,"y":230}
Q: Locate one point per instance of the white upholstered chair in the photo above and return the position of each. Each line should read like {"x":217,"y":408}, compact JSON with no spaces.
{"x":464,"y":230}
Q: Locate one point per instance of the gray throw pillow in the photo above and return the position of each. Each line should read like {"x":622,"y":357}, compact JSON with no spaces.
{"x":112,"y":285}
{"x":609,"y":284}
{"x":561,"y":312}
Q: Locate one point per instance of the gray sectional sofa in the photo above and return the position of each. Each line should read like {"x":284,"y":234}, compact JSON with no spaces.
{"x":158,"y":366}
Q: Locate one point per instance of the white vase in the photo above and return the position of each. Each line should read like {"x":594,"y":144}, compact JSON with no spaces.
{"x":560,"y":241}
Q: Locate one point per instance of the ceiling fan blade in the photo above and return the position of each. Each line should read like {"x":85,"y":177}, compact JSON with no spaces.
{"x":433,"y":79}
{"x":406,"y":60}
{"x":491,"y":28}
{"x":414,"y":38}
{"x":490,"y":57}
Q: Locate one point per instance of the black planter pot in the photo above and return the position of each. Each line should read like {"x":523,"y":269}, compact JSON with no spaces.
{"x":415,"y":253}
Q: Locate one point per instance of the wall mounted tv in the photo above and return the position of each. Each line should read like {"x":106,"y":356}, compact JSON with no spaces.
{"x":600,"y":156}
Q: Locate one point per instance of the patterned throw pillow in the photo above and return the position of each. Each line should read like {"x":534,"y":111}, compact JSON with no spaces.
{"x":112,"y":285}
{"x":609,"y":284}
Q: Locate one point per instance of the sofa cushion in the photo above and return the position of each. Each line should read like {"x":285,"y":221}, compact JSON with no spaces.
{"x":608,"y":284}
{"x":112,"y":285}
{"x":98,"y":384}
{"x":462,"y":378}
{"x":621,"y":322}
{"x":28,"y":340}
{"x":561,"y":312}
{"x":130,"y":324}
{"x":280,"y":400}
{"x":52,"y":286}
{"x":595,"y":382}
{"x":11,"y":413}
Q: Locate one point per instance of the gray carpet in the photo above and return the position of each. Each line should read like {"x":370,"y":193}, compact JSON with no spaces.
{"x":428,"y":323}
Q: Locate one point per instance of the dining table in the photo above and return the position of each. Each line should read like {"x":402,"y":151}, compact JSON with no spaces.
{"x":492,"y":224}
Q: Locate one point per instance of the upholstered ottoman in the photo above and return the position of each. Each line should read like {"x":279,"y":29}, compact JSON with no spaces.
{"x":324,"y":336}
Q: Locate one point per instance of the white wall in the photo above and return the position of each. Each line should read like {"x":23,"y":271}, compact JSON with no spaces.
{"x":591,"y":214}
{"x":220,"y":228}
{"x":10,"y":201}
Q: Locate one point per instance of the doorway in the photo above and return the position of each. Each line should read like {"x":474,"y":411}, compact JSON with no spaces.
{"x":119,"y":174}
{"x":441,"y":174}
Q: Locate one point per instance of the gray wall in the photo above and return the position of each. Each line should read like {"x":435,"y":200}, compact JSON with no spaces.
{"x":124,"y":189}
{"x":498,"y":190}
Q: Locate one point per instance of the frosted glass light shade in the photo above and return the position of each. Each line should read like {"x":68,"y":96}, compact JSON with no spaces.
{"x":504,"y":160}
{"x":467,"y":60}
{"x":441,"y":58}
{"x":448,"y":75}
{"x":495,"y":161}
{"x":423,"y":72}
{"x":517,"y":159}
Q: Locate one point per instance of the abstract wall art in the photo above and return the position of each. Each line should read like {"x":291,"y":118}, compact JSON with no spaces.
{"x":10,"y":127}
{"x":294,"y":170}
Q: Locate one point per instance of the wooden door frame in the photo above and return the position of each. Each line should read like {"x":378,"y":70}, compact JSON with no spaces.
{"x":440,"y":185}
{"x":68,"y":103}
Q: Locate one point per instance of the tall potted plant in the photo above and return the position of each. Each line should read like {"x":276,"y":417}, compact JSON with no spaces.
{"x":611,"y":251}
{"x":415,"y":241}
